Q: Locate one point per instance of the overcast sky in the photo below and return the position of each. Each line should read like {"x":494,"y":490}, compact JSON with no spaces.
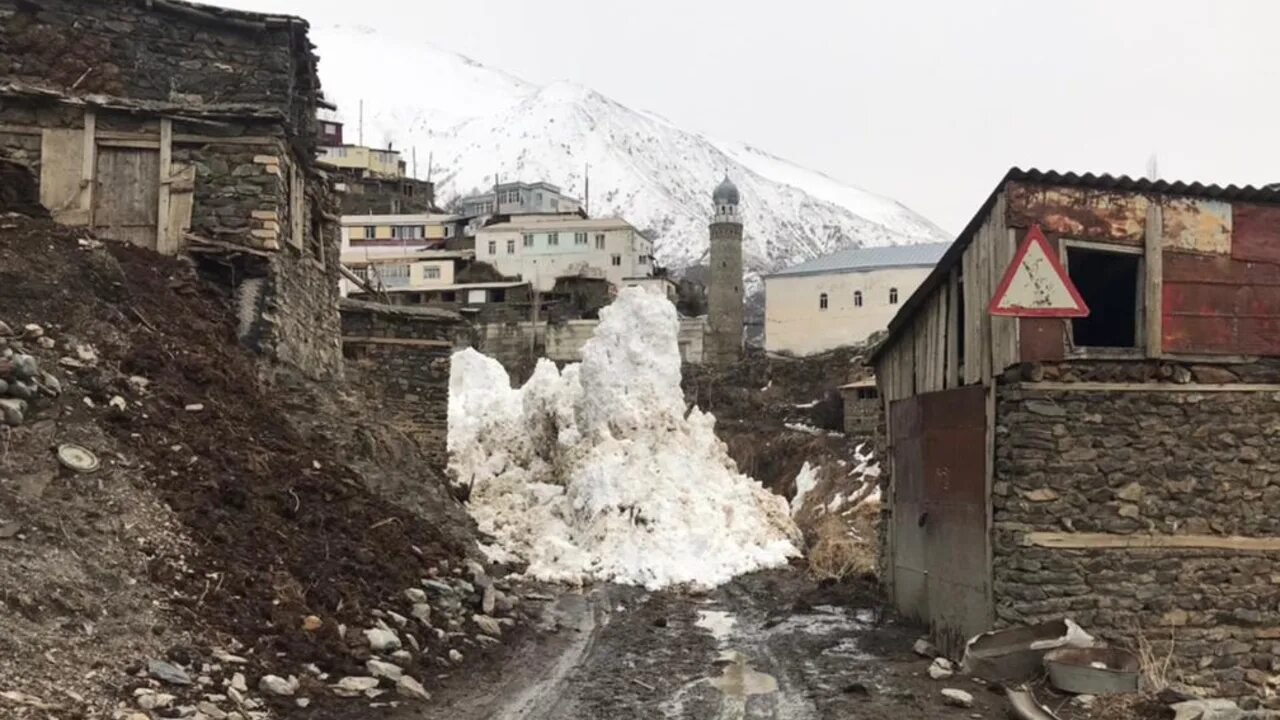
{"x":928,"y":102}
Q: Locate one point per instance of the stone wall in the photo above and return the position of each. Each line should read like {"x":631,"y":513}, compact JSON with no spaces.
{"x":167,"y":53}
{"x":401,"y":355}
{"x":861,"y":414}
{"x":725,"y":294}
{"x":1174,"y":461}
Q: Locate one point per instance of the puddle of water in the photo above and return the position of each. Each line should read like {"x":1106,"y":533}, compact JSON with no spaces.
{"x":718,"y":623}
{"x":739,"y":679}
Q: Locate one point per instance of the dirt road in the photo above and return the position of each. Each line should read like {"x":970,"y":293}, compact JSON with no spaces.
{"x":771,"y":645}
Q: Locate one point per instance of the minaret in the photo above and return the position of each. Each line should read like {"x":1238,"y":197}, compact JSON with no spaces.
{"x":724,"y":292}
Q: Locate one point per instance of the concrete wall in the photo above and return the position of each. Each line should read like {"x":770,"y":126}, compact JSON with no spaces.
{"x":1170,"y":463}
{"x":401,"y":356}
{"x":795,"y":323}
{"x":381,"y":162}
{"x":503,"y":246}
{"x":861,"y":414}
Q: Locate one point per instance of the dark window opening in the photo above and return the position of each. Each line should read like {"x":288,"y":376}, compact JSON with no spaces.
{"x":498,"y":295}
{"x":857,"y":298}
{"x":893,"y":296}
{"x":1108,"y":283}
{"x":822,"y":301}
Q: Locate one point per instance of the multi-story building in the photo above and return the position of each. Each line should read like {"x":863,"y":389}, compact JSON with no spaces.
{"x":413,"y":270}
{"x":541,"y":248}
{"x":374,"y":235}
{"x":384,"y":163}
{"x":842,"y":298}
{"x":370,"y":180}
{"x":518,"y":198}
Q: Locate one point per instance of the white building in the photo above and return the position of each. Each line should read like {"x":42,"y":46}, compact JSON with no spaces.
{"x":541,"y":248}
{"x":842,"y":298}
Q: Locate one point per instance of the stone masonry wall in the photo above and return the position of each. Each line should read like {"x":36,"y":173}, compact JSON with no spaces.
{"x":122,"y":48}
{"x":1171,"y":462}
{"x":410,"y":376}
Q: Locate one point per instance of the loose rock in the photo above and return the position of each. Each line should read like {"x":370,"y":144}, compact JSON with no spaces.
{"x":487,"y":625}
{"x":924,"y":648}
{"x":381,"y":640}
{"x":410,"y":688}
{"x":354,"y":685}
{"x":415,"y":595}
{"x":380,"y":669}
{"x":168,"y":672}
{"x":276,"y":685}
{"x":941,"y":669}
{"x":957,"y":698}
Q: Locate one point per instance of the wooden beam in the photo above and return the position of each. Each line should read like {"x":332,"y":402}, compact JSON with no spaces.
{"x":1107,"y":541}
{"x":1153,"y":295}
{"x":189,"y":139}
{"x":165,"y":245}
{"x":1149,"y":387}
{"x":20,"y":129}
{"x":415,"y":342}
{"x":89,"y":164}
{"x":137,"y":144}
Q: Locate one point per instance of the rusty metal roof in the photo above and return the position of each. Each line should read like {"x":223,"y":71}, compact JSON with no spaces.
{"x":1247,"y":193}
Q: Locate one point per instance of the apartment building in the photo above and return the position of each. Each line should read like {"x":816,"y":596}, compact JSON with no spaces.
{"x":541,"y":248}
{"x":391,"y":234}
{"x":518,"y":198}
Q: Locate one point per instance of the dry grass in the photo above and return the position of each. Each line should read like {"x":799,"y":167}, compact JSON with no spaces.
{"x":1159,"y":666}
{"x":845,"y":545}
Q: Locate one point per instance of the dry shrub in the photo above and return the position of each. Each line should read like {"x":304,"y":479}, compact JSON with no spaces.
{"x":1159,"y":666}
{"x":845,"y":545}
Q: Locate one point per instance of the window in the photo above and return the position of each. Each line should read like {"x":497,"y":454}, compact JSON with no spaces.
{"x":893,"y":296}
{"x":599,"y":241}
{"x":407,"y":232}
{"x":361,"y":272}
{"x":448,"y":231}
{"x":537,"y":198}
{"x":822,"y":301}
{"x":370,"y":232}
{"x":553,"y":239}
{"x":528,"y":239}
{"x":580,"y":238}
{"x":643,"y":259}
{"x":1109,"y":283}
{"x":493,"y":247}
{"x":511,"y":247}
{"x":431,"y":272}
{"x":396,"y":275}
{"x":857,"y":298}
{"x":617,"y":260}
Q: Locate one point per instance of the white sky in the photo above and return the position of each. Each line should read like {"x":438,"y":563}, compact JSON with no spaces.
{"x":926,"y":101}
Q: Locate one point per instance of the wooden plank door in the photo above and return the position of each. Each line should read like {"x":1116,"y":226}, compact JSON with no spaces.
{"x":127,"y":195}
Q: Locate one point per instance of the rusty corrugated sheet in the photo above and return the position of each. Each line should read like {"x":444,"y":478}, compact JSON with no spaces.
{"x":1214,"y":304}
{"x":1256,"y":232}
{"x":1079,"y":212}
{"x":1196,"y":225}
{"x":940,"y":512}
{"x":1041,"y":339}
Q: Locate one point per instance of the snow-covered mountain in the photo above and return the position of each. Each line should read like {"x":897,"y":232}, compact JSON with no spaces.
{"x":470,"y":123}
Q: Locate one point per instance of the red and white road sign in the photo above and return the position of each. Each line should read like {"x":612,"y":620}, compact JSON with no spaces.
{"x":1036,"y":285}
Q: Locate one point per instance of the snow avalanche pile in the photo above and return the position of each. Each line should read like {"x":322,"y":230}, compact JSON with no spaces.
{"x":597,"y":472}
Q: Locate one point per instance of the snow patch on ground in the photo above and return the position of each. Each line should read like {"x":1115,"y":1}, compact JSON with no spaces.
{"x":596,"y":472}
{"x":806,"y":480}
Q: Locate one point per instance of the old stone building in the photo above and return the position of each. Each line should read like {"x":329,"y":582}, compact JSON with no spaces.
{"x":724,"y":288}
{"x":401,"y":355}
{"x":184,"y":128}
{"x":1118,"y":468}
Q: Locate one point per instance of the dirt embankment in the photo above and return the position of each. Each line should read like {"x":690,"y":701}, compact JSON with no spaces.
{"x":214,"y":535}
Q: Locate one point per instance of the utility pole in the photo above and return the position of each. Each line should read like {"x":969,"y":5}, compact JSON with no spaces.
{"x":415,"y":162}
{"x":360,"y":126}
{"x":586,"y":192}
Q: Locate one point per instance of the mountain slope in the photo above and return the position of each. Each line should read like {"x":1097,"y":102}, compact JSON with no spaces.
{"x":474,"y":122}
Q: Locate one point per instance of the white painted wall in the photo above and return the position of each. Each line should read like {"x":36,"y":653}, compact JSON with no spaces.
{"x":503,"y":246}
{"x":795,"y":323}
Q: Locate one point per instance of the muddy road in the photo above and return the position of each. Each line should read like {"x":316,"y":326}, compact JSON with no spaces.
{"x":770,"y":645}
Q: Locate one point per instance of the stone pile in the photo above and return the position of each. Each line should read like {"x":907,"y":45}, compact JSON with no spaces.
{"x":23,"y":383}
{"x":455,"y":612}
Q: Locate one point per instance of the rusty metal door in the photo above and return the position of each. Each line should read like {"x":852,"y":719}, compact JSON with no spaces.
{"x":941,"y":568}
{"x":127,"y":195}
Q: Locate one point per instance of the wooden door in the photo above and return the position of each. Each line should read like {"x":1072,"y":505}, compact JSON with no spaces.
{"x":127,"y":195}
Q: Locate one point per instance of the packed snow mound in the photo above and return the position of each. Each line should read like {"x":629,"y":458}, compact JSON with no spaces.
{"x":597,"y":472}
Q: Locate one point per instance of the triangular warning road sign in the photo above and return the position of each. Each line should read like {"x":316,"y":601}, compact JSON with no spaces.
{"x":1035,"y":285}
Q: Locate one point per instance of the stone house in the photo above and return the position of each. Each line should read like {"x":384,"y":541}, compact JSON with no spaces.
{"x":1118,"y":468}
{"x":184,"y":128}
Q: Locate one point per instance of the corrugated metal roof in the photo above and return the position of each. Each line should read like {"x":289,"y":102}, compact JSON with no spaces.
{"x":861,"y":259}
{"x":1267,"y":194}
